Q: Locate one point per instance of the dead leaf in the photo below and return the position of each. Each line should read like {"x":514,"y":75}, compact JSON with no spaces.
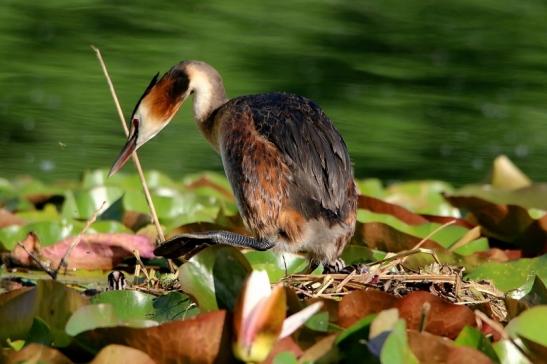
{"x":444,"y":318}
{"x":434,"y":349}
{"x":508,"y":223}
{"x":381,"y":236}
{"x":378,"y":206}
{"x":319,"y":349}
{"x":359,"y":304}
{"x":202,"y":339}
{"x":95,"y":251}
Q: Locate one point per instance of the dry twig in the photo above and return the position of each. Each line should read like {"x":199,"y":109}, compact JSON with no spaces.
{"x":134,"y":155}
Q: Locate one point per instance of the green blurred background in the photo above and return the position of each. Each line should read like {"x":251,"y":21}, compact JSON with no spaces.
{"x":419,"y":89}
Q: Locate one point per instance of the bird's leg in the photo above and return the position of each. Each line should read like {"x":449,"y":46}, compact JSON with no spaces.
{"x":177,"y":245}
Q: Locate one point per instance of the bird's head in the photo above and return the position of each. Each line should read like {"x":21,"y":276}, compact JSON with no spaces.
{"x":157,"y":106}
{"x":163,"y":98}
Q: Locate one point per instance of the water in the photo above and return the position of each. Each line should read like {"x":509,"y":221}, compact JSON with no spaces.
{"x":422,"y":89}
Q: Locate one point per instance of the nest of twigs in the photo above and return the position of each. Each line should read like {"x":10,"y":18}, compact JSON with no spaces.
{"x":393,"y":277}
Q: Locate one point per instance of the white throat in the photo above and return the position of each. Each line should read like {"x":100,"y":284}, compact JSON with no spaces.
{"x":203,"y":94}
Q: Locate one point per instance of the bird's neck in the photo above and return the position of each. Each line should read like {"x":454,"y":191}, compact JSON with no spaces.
{"x":209,"y":95}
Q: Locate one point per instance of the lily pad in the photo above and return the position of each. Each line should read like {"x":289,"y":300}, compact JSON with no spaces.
{"x":217,"y":271}
{"x":531,"y":325}
{"x":396,"y":349}
{"x":49,"y":300}
{"x":127,"y":304}
{"x":511,"y":275}
{"x":174,"y":306}
{"x":277,"y":265}
{"x":473,"y":338}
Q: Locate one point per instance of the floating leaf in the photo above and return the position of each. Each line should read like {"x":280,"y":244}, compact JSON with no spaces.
{"x":473,"y":338}
{"x":127,"y":304}
{"x":396,"y":349}
{"x":90,"y":317}
{"x":433,"y":349}
{"x":278,"y":265}
{"x":94,"y":251}
{"x":508,"y":353}
{"x":443,"y":319}
{"x":530,"y":294}
{"x":102,"y":315}
{"x":173,"y":306}
{"x":534,"y":196}
{"x":49,"y":300}
{"x":422,"y":197}
{"x":511,"y":275}
{"x":199,"y":279}
{"x":360,"y":304}
{"x":202,"y":339}
{"x":508,"y":223}
{"x":531,"y":325}
{"x":121,"y":354}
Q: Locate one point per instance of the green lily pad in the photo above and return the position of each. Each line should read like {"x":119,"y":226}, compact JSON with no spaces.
{"x":128,"y":305}
{"x":396,"y":349}
{"x":89,"y":201}
{"x":217,"y":271}
{"x":100,"y":315}
{"x":90,"y":317}
{"x":168,"y":206}
{"x":530,"y":324}
{"x":318,"y":322}
{"x":473,"y":338}
{"x":108,"y":226}
{"x":445,"y":237}
{"x":511,"y":275}
{"x":174,"y":306}
{"x":423,"y":197}
{"x":277,"y":265}
{"x":531,"y":293}
{"x":40,"y":333}
{"x":371,"y":187}
{"x":47,"y":213}
{"x":49,"y":232}
{"x":508,"y":353}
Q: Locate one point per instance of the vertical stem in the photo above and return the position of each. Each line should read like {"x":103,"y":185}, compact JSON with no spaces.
{"x":134,"y":155}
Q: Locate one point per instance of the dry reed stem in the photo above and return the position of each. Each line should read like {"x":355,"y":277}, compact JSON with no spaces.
{"x":134,"y":155}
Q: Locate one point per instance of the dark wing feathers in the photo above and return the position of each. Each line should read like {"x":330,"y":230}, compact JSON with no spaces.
{"x":313,"y":150}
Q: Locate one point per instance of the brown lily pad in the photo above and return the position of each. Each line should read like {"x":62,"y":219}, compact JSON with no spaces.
{"x":381,"y":236}
{"x":203,"y":339}
{"x":434,"y":349}
{"x":443,"y":318}
{"x":95,"y":251}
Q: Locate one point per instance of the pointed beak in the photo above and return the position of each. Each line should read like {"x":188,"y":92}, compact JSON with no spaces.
{"x":127,"y":150}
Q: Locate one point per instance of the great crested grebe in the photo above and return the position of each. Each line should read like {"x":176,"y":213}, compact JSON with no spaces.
{"x":288,"y":166}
